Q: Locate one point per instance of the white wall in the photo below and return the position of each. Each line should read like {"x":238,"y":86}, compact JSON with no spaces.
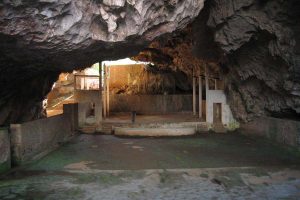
{"x":218,"y":96}
{"x":84,"y":97}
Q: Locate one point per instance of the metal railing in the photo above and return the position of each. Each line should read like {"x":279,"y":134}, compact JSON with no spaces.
{"x":86,"y":82}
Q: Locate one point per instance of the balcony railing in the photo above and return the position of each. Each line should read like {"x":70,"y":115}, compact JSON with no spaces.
{"x":86,"y":82}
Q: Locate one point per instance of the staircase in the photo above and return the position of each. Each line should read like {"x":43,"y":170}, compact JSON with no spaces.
{"x":90,"y":126}
{"x":88,"y":129}
{"x":219,"y":128}
{"x":202,"y":127}
{"x":106,"y":128}
{"x":58,"y":107}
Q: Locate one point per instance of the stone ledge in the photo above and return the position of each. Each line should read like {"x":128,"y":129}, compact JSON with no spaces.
{"x":154,"y":132}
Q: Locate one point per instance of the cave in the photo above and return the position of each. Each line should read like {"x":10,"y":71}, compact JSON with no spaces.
{"x":167,"y":89}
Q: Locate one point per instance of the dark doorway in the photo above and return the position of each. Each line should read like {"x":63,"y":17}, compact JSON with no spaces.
{"x":217,"y":112}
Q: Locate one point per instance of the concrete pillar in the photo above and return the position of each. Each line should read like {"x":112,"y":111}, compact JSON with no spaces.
{"x":98,"y":110}
{"x":216,"y":87}
{"x":5,"y":160}
{"x":104,"y":92}
{"x":82,"y":109}
{"x":206,"y":91}
{"x":16,"y":143}
{"x":200,"y":96}
{"x":107,"y":84}
{"x":82,"y":83}
{"x":71,"y":112}
{"x":194,"y":93}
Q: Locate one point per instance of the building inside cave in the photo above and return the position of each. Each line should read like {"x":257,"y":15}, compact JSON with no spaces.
{"x":141,"y":89}
{"x":149,"y":99}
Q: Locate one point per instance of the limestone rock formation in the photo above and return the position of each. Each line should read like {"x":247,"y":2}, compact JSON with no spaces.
{"x":152,"y":80}
{"x":41,"y":38}
{"x":254,"y":43}
{"x":261,"y":42}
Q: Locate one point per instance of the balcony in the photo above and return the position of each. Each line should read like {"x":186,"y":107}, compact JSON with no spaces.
{"x":86,"y":82}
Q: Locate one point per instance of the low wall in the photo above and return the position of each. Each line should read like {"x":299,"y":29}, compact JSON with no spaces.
{"x":151,"y":104}
{"x":84,"y":98}
{"x":278,"y":130}
{"x":32,"y":140}
{"x":5,"y":163}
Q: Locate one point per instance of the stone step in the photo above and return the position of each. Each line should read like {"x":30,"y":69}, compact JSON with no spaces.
{"x":219,"y":128}
{"x":89,"y":129}
{"x":154,"y":132}
{"x":109,"y":127}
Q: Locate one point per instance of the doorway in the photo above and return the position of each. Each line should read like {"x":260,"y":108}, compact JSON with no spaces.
{"x":217,"y":109}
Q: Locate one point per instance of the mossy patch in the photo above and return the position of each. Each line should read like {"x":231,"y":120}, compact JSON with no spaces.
{"x":203,"y":175}
{"x":100,"y":178}
{"x":4,"y":167}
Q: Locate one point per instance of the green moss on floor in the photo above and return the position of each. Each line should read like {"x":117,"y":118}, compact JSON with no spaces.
{"x":101,"y":178}
{"x":204,"y":175}
{"x":203,"y":150}
{"x":4,"y":167}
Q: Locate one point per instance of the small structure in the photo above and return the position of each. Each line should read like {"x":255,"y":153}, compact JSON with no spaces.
{"x":218,"y":112}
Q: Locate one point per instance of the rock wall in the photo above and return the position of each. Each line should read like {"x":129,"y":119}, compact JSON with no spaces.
{"x":40,"y":39}
{"x":260,"y":40}
{"x":254,"y":43}
{"x":147,"y":80}
{"x":151,"y":104}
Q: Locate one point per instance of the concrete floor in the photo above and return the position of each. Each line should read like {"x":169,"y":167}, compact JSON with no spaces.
{"x":206,"y":166}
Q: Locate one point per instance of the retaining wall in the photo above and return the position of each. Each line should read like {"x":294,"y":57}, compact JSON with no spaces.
{"x":279,"y":130}
{"x":151,"y":104}
{"x":32,"y":140}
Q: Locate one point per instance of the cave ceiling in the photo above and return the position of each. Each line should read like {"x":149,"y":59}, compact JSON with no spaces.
{"x":253,"y":44}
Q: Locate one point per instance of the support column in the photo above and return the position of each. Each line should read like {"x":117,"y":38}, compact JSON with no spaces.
{"x":194,"y":93}
{"x":104,"y":91}
{"x":100,"y":93}
{"x":206,"y":91}
{"x":216,"y":87}
{"x":200,"y":96}
{"x":107,"y":90}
